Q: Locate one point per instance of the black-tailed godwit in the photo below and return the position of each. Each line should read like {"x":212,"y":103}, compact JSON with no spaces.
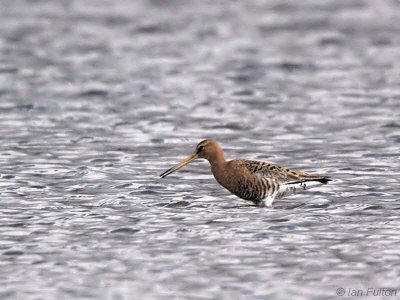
{"x":257,"y":181}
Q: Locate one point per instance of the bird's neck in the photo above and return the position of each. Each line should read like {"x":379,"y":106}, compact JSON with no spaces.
{"x":217,"y":162}
{"x":218,"y":169}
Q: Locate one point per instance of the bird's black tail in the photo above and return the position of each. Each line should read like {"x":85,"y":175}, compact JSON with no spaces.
{"x":324,"y":180}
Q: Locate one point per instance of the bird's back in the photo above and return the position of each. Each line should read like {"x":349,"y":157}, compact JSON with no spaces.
{"x":256,"y":180}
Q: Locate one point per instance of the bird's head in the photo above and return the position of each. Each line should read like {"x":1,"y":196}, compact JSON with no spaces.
{"x":208,"y":149}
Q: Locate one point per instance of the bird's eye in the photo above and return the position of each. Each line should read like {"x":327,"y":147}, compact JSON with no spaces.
{"x":201,"y":148}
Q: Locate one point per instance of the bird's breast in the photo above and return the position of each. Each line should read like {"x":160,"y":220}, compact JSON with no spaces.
{"x":239,"y":184}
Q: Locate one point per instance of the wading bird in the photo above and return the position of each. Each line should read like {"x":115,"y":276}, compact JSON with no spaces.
{"x":257,"y":181}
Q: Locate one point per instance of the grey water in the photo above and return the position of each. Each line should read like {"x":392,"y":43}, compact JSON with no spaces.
{"x":97,"y":98}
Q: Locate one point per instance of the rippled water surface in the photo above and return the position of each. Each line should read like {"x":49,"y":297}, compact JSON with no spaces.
{"x":97,"y":98}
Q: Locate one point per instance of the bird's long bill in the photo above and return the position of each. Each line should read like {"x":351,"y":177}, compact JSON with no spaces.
{"x":180,"y":165}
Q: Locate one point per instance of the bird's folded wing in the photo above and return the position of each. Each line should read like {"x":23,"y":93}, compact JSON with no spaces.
{"x":267,"y":170}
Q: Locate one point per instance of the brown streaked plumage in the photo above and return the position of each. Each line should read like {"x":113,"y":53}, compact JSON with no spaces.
{"x":260,"y":182}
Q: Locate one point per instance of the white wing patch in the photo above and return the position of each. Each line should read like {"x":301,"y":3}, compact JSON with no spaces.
{"x":293,"y":187}
{"x":289,"y":188}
